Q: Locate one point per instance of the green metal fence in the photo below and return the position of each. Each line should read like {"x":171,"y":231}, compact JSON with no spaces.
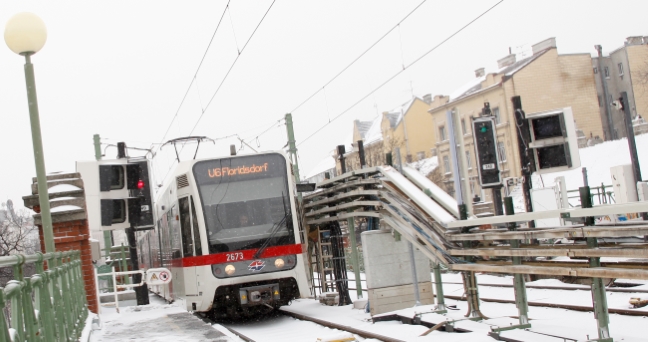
{"x":48,"y":306}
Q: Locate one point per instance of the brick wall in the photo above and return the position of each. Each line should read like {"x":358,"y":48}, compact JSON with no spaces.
{"x":74,"y":235}
{"x":71,"y":230}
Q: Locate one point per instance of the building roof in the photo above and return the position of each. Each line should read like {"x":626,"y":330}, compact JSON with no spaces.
{"x":363,"y":127}
{"x":476,"y":85}
{"x":395,"y":116}
{"x":374,"y":133}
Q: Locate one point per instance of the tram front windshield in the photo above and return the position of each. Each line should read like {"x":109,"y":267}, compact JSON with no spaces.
{"x":245,"y":202}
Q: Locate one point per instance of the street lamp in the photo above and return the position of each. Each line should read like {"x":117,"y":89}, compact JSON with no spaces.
{"x":25,"y":34}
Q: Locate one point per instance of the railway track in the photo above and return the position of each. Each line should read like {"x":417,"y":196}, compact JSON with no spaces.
{"x":569,"y":288}
{"x":627,"y":312}
{"x":287,"y":326}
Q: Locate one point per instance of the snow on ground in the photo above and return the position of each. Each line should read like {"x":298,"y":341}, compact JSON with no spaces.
{"x":157,"y":321}
{"x":170,"y":323}
{"x":598,"y":160}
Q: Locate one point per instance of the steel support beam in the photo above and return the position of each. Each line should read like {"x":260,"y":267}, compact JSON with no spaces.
{"x":354,"y":256}
{"x":440,"y":298}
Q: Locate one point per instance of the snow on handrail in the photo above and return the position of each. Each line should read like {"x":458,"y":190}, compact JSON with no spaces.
{"x":432,"y":190}
{"x":432,"y":208}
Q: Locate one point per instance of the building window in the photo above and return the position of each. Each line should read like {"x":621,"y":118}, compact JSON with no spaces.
{"x":446,"y":164}
{"x":463,"y":125}
{"x":620,"y":69}
{"x":420,"y":155}
{"x":496,"y":114}
{"x":468,"y":161}
{"x":606,"y":72}
{"x":442,"y":133}
{"x":501,"y":150}
{"x":595,"y":70}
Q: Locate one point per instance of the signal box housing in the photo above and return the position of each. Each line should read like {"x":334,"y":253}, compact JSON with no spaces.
{"x":553,"y":140}
{"x":119,"y":193}
{"x":485,"y":139}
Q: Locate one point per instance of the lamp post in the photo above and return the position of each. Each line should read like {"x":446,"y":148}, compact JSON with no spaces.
{"x":25,"y":34}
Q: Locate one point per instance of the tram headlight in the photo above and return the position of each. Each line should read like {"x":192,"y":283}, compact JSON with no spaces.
{"x":230,"y":269}
{"x":279,"y":263}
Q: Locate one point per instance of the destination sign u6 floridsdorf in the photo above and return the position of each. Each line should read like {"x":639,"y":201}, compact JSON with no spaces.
{"x":237,"y":170}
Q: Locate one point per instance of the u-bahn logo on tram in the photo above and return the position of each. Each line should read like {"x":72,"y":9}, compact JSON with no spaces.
{"x":256,"y":265}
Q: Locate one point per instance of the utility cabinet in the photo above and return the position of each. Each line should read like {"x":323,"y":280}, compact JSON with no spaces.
{"x":389,"y":273}
{"x":624,"y":184}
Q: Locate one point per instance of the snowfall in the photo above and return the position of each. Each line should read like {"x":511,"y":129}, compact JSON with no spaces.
{"x":163,"y":322}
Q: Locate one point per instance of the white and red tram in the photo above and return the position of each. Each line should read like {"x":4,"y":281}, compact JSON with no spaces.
{"x":228,"y":230}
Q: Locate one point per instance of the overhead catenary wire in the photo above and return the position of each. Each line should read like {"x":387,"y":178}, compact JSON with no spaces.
{"x":400,"y":72}
{"x":360,"y":56}
{"x":230,"y":68}
{"x":239,"y":52}
{"x":193,"y":79}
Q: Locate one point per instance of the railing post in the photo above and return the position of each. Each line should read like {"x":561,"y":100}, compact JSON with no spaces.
{"x":598,"y":289}
{"x":441,"y":307}
{"x":13,"y":292}
{"x":521,"y":300}
{"x":29,"y":316}
{"x":59,"y":311}
{"x":4,"y":329}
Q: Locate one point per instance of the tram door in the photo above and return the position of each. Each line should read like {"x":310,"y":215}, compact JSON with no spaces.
{"x":191,"y":245}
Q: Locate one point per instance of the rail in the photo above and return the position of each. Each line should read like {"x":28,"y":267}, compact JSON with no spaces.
{"x":48,"y":306}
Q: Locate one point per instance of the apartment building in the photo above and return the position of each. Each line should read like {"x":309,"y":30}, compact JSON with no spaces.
{"x":545,"y":80}
{"x":624,"y":69}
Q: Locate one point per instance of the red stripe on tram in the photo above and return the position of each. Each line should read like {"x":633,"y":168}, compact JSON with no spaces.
{"x":221,"y":258}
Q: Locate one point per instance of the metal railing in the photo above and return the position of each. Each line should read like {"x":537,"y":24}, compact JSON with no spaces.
{"x":603,"y":194}
{"x":48,"y":306}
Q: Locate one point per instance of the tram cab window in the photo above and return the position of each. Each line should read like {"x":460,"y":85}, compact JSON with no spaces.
{"x":185,"y":227}
{"x":244,"y":201}
{"x":196,"y":231}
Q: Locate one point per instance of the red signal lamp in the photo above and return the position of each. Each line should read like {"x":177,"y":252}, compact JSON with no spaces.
{"x":140,"y":184}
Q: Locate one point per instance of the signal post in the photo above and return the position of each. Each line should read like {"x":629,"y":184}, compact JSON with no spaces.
{"x":120,"y":198}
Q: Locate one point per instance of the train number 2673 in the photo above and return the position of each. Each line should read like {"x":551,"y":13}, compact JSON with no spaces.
{"x":235,"y":256}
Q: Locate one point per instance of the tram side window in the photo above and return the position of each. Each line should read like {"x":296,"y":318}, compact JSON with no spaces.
{"x":185,"y":226}
{"x":196,"y":231}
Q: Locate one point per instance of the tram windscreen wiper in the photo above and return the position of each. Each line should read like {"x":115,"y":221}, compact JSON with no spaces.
{"x":275,"y":229}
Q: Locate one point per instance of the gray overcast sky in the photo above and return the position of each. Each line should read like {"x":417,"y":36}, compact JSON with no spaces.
{"x":121,"y":69}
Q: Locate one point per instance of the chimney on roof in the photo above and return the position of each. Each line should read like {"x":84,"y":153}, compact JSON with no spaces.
{"x":543,"y":45}
{"x":634,"y":40}
{"x":506,"y":61}
{"x":427,"y":98}
{"x":480,"y":72}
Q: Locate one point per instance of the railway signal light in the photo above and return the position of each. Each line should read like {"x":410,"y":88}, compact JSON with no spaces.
{"x":123,"y":197}
{"x":485,"y":139}
{"x":554,"y":143}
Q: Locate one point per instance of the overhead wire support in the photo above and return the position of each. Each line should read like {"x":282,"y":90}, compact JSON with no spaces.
{"x":229,"y":12}
{"x":401,"y":71}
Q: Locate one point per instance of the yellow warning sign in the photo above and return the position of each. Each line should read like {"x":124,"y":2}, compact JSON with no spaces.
{"x":158,"y":276}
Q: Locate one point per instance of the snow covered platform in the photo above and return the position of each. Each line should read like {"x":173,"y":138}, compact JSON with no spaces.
{"x":157,"y":321}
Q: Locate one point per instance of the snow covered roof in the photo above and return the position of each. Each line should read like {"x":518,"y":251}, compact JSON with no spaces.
{"x":374,"y":133}
{"x":475,"y":85}
{"x":395,"y":116}
{"x":363,"y":127}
